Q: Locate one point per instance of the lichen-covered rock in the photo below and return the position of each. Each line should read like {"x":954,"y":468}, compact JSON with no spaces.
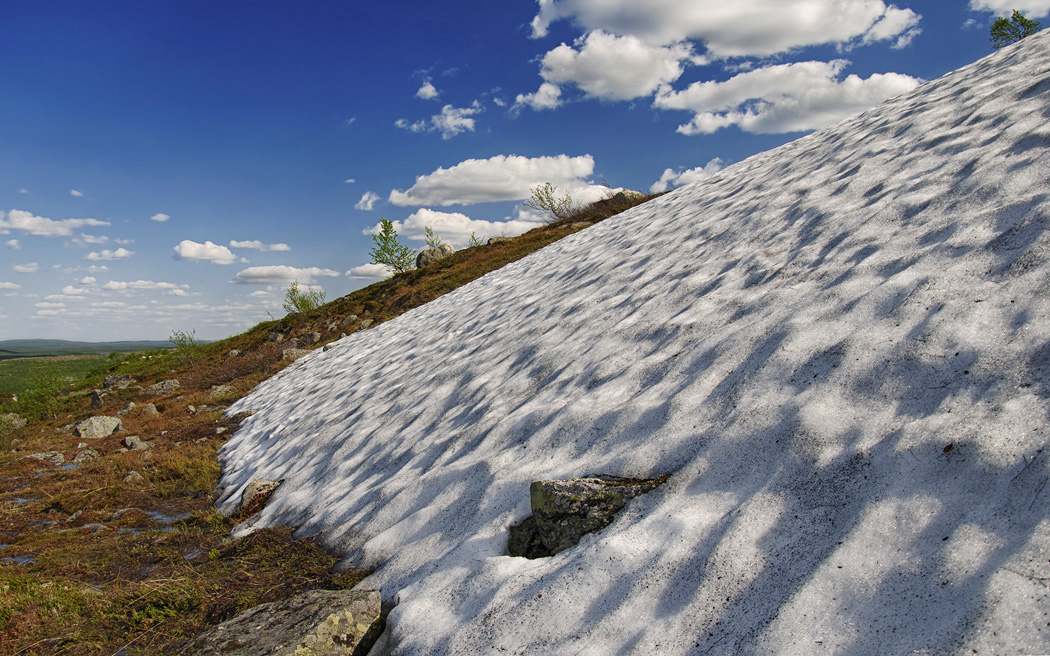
{"x":133,"y":477}
{"x":627,"y":196}
{"x":293,"y":353}
{"x":315,"y":623}
{"x":580,"y":225}
{"x":428,"y":256}
{"x":150,"y":409}
{"x":163,"y":388}
{"x":86,"y":455}
{"x":116,"y":381}
{"x":95,"y":428}
{"x":311,"y":338}
{"x":367,"y":323}
{"x":11,"y":421}
{"x":97,"y":399}
{"x":136,"y":443}
{"x":128,"y":407}
{"x":219,"y":390}
{"x":498,"y":240}
{"x":51,"y":457}
{"x":276,"y":337}
{"x":348,"y":319}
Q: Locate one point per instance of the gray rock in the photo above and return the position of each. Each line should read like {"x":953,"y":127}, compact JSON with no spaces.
{"x":579,"y":225}
{"x":136,"y":443}
{"x":94,"y":428}
{"x":255,"y":495}
{"x":85,"y":456}
{"x":315,"y":623}
{"x":116,"y":381}
{"x":350,"y":318}
{"x":126,"y":409}
{"x":93,"y":528}
{"x":150,"y":409}
{"x":233,"y":353}
{"x":51,"y":457}
{"x":294,"y":353}
{"x":277,"y":338}
{"x":219,"y":390}
{"x":11,"y":421}
{"x":566,"y":510}
{"x":627,"y":196}
{"x":292,"y":343}
{"x":133,"y":477}
{"x":428,"y":256}
{"x":97,"y":400}
{"x":163,"y":388}
{"x":498,"y":240}
{"x":311,"y":338}
{"x":366,"y":323}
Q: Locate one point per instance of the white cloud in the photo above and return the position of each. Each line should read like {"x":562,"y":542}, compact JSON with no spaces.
{"x":45,"y":304}
{"x":500,"y":178}
{"x":737,"y":29}
{"x":350,"y":121}
{"x":83,"y":241}
{"x":680,"y":177}
{"x":457,"y":228}
{"x":68,"y":290}
{"x":1030,"y":8}
{"x":38,"y":225}
{"x":282,"y":275}
{"x":13,"y":244}
{"x":259,"y":246}
{"x":370,"y":272}
{"x":450,"y":122}
{"x":548,"y":96}
{"x":428,"y":91}
{"x":119,"y":254}
{"x":160,"y":217}
{"x":782,"y":98}
{"x":88,"y":280}
{"x":349,"y":181}
{"x":138,"y":285}
{"x":261,"y":293}
{"x":110,"y":304}
{"x":367,"y":202}
{"x":23,"y":190}
{"x":32,"y":267}
{"x":9,"y":285}
{"x":613,"y":67}
{"x":191,"y":251}
{"x":75,"y":193}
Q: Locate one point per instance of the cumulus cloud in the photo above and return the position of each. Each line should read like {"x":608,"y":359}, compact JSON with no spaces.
{"x":614,"y":67}
{"x":500,"y":178}
{"x":259,"y":246}
{"x":548,"y":96}
{"x":684,"y":177}
{"x":782,"y":98}
{"x":1030,"y":8}
{"x":428,"y":91}
{"x":88,"y":280}
{"x":84,"y":241}
{"x":23,"y":190}
{"x":32,"y":267}
{"x":367,"y":202}
{"x":119,"y":254}
{"x":450,"y":122}
{"x":44,"y":227}
{"x":282,"y":275}
{"x":160,"y":217}
{"x":45,"y":304}
{"x":191,"y":251}
{"x":369,"y":272}
{"x":457,"y":228}
{"x":728,"y":29}
{"x":75,"y":193}
{"x":349,"y":181}
{"x":9,"y":285}
{"x":138,"y":285}
{"x":13,"y":244}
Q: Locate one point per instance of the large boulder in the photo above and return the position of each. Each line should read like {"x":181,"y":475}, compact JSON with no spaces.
{"x":627,"y":196}
{"x":315,"y":623}
{"x":94,"y":428}
{"x":428,"y":256}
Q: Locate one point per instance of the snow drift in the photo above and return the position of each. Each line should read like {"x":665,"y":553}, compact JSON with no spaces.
{"x":839,"y":350}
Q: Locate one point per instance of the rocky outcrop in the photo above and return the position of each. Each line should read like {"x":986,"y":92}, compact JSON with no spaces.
{"x":315,"y":623}
{"x":293,"y":353}
{"x":498,"y":240}
{"x":116,"y":381}
{"x":86,"y":455}
{"x":219,"y":390}
{"x":627,"y":196}
{"x":428,"y":256}
{"x":163,"y":388}
{"x":95,"y":428}
{"x":566,"y":510}
{"x":580,"y":225}
{"x":97,"y":399}
{"x":11,"y":421}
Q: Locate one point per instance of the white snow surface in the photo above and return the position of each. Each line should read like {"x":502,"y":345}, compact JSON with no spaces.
{"x":797,"y":340}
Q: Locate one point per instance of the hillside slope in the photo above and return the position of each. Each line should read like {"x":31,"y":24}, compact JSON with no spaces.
{"x":839,"y":350}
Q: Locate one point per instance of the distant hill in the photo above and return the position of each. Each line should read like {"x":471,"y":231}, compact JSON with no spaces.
{"x":25,"y":348}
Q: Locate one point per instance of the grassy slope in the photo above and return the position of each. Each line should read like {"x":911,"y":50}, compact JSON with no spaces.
{"x":91,"y":563}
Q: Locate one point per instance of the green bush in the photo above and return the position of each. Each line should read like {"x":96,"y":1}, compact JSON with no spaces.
{"x":389,"y":251}
{"x":302,"y":300}
{"x":545,"y":198}
{"x":187,"y":346}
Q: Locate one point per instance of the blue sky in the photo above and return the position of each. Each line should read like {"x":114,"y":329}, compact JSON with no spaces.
{"x":175,"y":165}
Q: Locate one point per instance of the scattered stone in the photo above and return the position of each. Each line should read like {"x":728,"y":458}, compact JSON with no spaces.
{"x":74,"y":516}
{"x":116,"y":381}
{"x":580,"y":225}
{"x":121,"y":450}
{"x":294,"y":353}
{"x":332,"y":326}
{"x":498,"y":240}
{"x":119,"y":513}
{"x":627,"y":196}
{"x":85,"y":456}
{"x":97,"y":399}
{"x":275,"y":337}
{"x":50,"y":457}
{"x":94,"y":428}
{"x":366,"y":324}
{"x":219,"y":430}
{"x":163,"y":388}
{"x":136,"y":443}
{"x":151,"y":410}
{"x":192,"y":409}
{"x":126,"y":409}
{"x":566,"y":510}
{"x":219,"y":390}
{"x":81,"y":445}
{"x":326,"y":347}
{"x":315,"y":623}
{"x":93,"y":528}
{"x":255,"y":496}
{"x":311,"y":338}
{"x":350,"y":318}
{"x":12,"y":421}
{"x":233,"y":353}
{"x":428,"y":256}
{"x":133,"y":477}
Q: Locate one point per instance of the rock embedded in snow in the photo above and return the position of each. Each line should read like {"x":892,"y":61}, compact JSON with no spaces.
{"x":95,"y":428}
{"x":315,"y":623}
{"x":255,"y":496}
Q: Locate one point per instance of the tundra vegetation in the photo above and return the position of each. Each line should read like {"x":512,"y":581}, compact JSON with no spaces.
{"x":105,"y":549}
